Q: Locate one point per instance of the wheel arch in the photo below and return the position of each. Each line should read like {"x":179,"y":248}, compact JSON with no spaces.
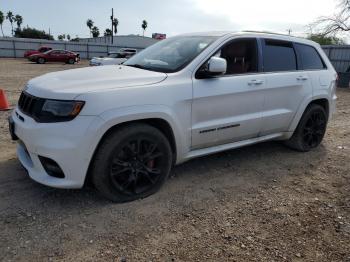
{"x":162,"y":124}
{"x":321,"y":100}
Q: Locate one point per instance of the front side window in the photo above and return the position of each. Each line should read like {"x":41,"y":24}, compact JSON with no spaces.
{"x":310,"y":58}
{"x":241,"y":56}
{"x":279,"y":56}
{"x":171,"y":55}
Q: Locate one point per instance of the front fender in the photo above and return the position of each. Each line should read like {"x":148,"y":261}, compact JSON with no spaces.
{"x":111,"y":118}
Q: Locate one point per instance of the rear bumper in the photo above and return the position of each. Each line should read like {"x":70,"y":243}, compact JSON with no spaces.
{"x":66,"y":143}
{"x":333,"y":106}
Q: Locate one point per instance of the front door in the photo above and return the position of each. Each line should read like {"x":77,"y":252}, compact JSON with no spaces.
{"x":228,"y":108}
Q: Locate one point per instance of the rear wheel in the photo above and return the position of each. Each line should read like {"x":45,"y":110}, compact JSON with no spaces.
{"x":41,"y":60}
{"x":131,"y":163}
{"x":310,"y":130}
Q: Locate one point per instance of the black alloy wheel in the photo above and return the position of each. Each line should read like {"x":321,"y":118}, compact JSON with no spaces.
{"x":310,"y":130}
{"x":132,"y":162}
{"x":137,"y":166}
{"x":314,"y":129}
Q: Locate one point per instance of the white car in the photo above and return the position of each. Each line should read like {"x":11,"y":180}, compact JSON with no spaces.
{"x":113,"y":58}
{"x":124,"y":127}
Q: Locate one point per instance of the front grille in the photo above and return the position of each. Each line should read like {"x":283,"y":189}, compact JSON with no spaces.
{"x":30,"y":105}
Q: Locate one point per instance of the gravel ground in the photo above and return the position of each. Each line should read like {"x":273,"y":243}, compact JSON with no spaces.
{"x":259,"y":203}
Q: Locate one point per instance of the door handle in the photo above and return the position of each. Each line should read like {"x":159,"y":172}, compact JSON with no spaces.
{"x":303,"y":78}
{"x":255,"y":82}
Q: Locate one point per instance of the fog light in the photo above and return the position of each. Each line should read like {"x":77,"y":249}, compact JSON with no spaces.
{"x":51,"y":167}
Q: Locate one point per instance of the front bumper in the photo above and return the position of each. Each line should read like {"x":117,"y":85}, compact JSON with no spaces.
{"x":66,"y":143}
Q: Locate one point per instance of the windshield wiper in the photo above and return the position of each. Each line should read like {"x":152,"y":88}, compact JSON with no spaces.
{"x":138,"y":66}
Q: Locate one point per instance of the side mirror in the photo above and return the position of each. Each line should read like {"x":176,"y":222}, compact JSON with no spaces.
{"x":214,"y":67}
{"x":217,"y":66}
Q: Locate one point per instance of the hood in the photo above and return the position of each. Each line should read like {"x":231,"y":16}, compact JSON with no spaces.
{"x":71,"y":83}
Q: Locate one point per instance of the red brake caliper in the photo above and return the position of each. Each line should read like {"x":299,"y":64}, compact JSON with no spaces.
{"x":150,"y":163}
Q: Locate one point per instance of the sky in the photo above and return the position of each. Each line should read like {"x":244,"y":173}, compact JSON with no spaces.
{"x":170,"y":17}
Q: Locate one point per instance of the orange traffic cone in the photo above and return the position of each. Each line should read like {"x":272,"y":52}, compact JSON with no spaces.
{"x":4,"y":104}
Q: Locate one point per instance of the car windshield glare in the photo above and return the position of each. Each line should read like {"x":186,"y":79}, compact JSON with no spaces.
{"x":171,"y":55}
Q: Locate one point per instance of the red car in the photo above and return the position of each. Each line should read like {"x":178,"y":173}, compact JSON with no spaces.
{"x":55,"y":56}
{"x":42,"y":49}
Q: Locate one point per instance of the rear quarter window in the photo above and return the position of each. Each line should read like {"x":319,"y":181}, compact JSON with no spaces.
{"x":279,"y":56}
{"x":310,"y":58}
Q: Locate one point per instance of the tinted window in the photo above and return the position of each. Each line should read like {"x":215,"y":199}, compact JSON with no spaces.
{"x":309,"y":57}
{"x":279,"y":56}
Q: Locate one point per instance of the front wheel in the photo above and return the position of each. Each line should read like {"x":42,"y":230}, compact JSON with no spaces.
{"x":311,"y":129}
{"x":131,"y":163}
{"x":71,"y":61}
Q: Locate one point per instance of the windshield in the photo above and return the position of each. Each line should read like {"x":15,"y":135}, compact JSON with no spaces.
{"x":172,"y":54}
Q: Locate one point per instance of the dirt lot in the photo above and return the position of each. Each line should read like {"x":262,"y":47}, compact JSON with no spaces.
{"x":260,"y":203}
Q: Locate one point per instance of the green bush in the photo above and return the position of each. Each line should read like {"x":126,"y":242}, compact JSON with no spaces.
{"x":29,"y":32}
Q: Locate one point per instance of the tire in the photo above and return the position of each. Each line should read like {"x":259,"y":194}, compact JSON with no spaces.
{"x":122,"y":171}
{"x":41,"y":60}
{"x":310,"y":130}
{"x":71,"y":61}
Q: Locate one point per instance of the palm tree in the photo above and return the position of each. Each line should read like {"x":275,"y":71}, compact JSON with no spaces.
{"x":19,"y":21}
{"x":115,"y":25}
{"x":11,"y":19}
{"x":95,"y":31}
{"x":90,"y":24}
{"x":108,"y":32}
{"x":2,"y":18}
{"x":144,"y":26}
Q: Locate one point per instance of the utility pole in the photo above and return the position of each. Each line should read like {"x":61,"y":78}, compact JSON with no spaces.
{"x":112,"y":18}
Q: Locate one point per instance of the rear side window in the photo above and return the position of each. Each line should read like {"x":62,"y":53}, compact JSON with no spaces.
{"x":279,"y":56}
{"x":310,"y":58}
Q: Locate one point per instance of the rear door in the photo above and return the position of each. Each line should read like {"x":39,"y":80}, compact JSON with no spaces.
{"x":315,"y":67}
{"x":286,"y":86}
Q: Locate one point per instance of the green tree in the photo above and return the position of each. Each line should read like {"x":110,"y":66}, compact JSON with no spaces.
{"x":28,"y":32}
{"x":2,"y":18}
{"x":11,"y":19}
{"x":95,"y":31}
{"x":76,"y":39}
{"x":90,"y":24}
{"x":19,"y":21}
{"x":325,"y":40}
{"x":115,"y":24}
{"x":107,"y":32}
{"x":61,"y":37}
{"x":144,"y":26}
{"x":68,"y":37}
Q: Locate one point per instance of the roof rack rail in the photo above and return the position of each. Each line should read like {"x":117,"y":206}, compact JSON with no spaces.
{"x":267,"y":32}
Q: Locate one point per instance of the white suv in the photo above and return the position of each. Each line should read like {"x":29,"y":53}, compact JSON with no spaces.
{"x":124,"y":127}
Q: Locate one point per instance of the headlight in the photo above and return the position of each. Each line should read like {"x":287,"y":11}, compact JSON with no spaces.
{"x":59,"y":110}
